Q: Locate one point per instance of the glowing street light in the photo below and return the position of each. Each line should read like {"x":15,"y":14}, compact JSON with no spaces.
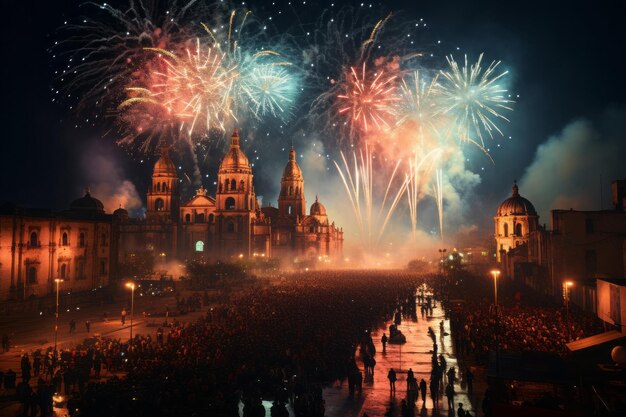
{"x":496,"y":274}
{"x":57,"y":281}
{"x":566,"y":288}
{"x":131,"y":285}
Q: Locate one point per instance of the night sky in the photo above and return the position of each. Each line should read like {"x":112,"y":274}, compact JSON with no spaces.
{"x":566,"y":59}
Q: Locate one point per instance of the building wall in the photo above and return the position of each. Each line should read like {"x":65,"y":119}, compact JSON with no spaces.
{"x":612,"y":302}
{"x":34,"y":252}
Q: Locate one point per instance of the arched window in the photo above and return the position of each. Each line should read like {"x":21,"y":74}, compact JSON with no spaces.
{"x":199,"y":246}
{"x":289,"y":209}
{"x":506,"y":230}
{"x":290,"y":192}
{"x":187,"y":218}
{"x":64,"y":239}
{"x":233,"y":185}
{"x":311,"y":229}
{"x":230,"y":203}
{"x":81,"y":239}
{"x":230,"y":226}
{"x":211,"y":218}
{"x":158,"y":187}
{"x":164,"y":187}
{"x":34,"y":241}
{"x":518,"y":229}
{"x":32,"y":275}
{"x":158,"y":204}
{"x":199,"y":217}
{"x":63,"y":271}
{"x":103,"y":239}
{"x":241,"y":185}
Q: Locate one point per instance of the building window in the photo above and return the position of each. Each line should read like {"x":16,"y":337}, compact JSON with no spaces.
{"x":230,"y":203}
{"x":506,"y":230}
{"x":81,"y":239}
{"x":34,"y":239}
{"x":158,"y":187}
{"x":230,"y":226}
{"x":187,"y":218}
{"x":199,"y":217}
{"x":64,"y":239}
{"x":211,"y":218}
{"x":518,"y":229}
{"x":158,"y":204}
{"x":103,"y":239}
{"x":289,"y":209}
{"x":103,"y":267}
{"x":233,"y":185}
{"x":312,"y":229}
{"x":241,"y":185}
{"x":589,"y":226}
{"x":164,"y":187}
{"x":199,"y":246}
{"x":290,"y":192}
{"x":591,"y":263}
{"x":32,"y":275}
{"x":80,"y":269}
{"x":63,"y":271}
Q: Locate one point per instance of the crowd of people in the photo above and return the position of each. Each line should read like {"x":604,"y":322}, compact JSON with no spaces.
{"x":282,"y":342}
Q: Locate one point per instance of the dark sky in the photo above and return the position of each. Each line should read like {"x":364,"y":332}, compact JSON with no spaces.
{"x":567,"y":61}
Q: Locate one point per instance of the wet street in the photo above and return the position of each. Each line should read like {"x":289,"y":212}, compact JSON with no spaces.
{"x":416,"y":354}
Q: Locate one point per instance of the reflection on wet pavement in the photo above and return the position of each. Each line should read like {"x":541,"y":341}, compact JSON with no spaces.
{"x":416,"y":354}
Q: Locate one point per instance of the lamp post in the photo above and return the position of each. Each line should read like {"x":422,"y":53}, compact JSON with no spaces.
{"x":566,"y":287}
{"x":496,"y":273}
{"x":131,"y":285}
{"x":57,"y":281}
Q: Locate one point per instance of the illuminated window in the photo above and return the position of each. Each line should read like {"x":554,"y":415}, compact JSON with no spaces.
{"x":64,"y":239}
{"x":199,"y":246}
{"x":159,"y":204}
{"x":289,"y":209}
{"x":230,"y":203}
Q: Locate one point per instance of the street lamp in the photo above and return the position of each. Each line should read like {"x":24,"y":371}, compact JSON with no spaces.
{"x":56,"y":315}
{"x":131,"y":285}
{"x":495,"y":274}
{"x":566,"y":287}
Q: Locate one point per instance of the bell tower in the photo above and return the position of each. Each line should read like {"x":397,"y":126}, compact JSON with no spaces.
{"x":163,"y":198}
{"x":291,"y":201}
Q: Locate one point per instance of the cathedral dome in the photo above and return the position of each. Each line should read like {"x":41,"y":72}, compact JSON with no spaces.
{"x":516,"y":205}
{"x":234,"y":159}
{"x":292,"y":169}
{"x":87,"y":203}
{"x":121,"y":212}
{"x":165,"y":166}
{"x":317,"y":208}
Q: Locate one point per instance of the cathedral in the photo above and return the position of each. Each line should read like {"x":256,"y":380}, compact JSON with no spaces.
{"x":231,"y":223}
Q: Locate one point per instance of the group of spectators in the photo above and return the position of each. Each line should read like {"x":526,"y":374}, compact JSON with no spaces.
{"x":282,"y":342}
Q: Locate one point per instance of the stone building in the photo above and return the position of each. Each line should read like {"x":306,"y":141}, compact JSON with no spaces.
{"x":38,"y":246}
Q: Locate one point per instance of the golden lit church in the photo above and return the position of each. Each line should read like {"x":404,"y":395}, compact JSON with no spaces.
{"x":231,"y":223}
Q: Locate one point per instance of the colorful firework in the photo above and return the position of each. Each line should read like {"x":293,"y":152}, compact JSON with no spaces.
{"x":473,"y":98}
{"x":368,"y":100}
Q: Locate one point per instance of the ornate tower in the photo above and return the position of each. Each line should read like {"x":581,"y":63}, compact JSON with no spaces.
{"x":515,"y":219}
{"x":291,"y":200}
{"x":235,"y":202}
{"x":163,"y":198}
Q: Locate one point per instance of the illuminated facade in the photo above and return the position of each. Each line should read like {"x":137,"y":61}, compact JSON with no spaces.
{"x":38,"y":246}
{"x":231,"y":223}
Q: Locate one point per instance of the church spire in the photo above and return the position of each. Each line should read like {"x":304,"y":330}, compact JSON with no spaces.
{"x":292,"y":154}
{"x":234,"y":139}
{"x":515,"y":189}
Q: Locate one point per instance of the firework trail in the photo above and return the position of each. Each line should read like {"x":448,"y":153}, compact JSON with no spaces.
{"x":473,"y":97}
{"x":358,"y":180}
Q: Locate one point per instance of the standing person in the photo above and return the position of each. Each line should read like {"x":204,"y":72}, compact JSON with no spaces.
{"x":87,"y":325}
{"x":123,"y":316}
{"x":450,"y":396}
{"x":469,"y":378}
{"x":391,"y":376}
{"x":434,"y":393}
{"x":384,"y":341}
{"x":460,"y":412}
{"x":25,"y":365}
{"x":423,"y":390}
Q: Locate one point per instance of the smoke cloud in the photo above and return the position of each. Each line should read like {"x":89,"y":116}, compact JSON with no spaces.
{"x":573,"y":168}
{"x":107,"y":182}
